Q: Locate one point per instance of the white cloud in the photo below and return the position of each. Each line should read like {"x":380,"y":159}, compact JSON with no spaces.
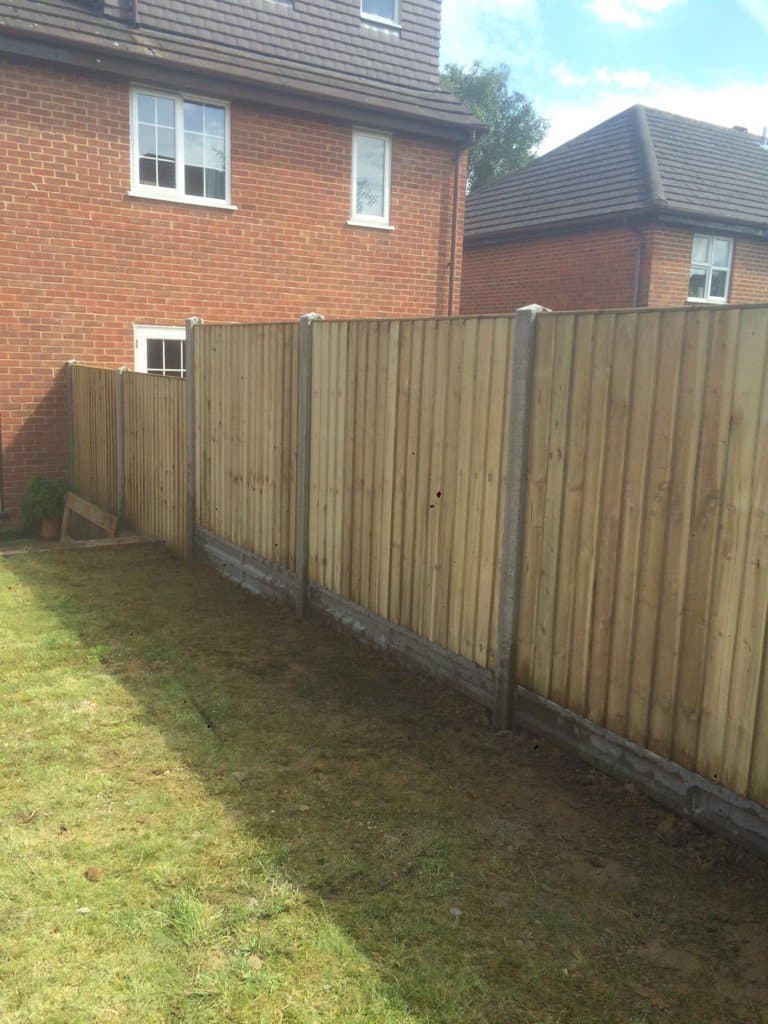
{"x":623,"y":79}
{"x":738,"y":103}
{"x":490,"y":30}
{"x":758,"y":9}
{"x":630,"y":13}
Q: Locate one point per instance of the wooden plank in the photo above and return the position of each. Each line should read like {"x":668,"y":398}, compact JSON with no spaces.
{"x":632,"y":508}
{"x":73,"y":503}
{"x":303,"y":468}
{"x":732,"y":550}
{"x":535,"y":497}
{"x":655,"y":522}
{"x":610,"y":515}
{"x":741,"y":734}
{"x":573,"y":497}
{"x":589,"y":539}
{"x":557,"y":453}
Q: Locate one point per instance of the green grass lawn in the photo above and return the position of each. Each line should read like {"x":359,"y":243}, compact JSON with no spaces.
{"x":211,"y":813}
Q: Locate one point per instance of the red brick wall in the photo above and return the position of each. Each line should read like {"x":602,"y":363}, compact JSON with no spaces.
{"x":586,"y":270}
{"x":670,"y":264}
{"x":81,"y":262}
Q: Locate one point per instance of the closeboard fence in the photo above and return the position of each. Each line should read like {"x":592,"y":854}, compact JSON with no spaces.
{"x":564,"y":513}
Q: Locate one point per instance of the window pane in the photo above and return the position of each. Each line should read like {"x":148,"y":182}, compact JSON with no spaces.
{"x":381,"y":8}
{"x":194,"y":117}
{"x":193,"y":149}
{"x":147,"y":140}
{"x":146,"y":107}
{"x":214,"y":184}
{"x":214,"y":153}
{"x":700,"y":249}
{"x":166,"y":143}
{"x":369,"y":186}
{"x":718,"y":284}
{"x":155,"y":355}
{"x":193,"y":181}
{"x":697,"y":284}
{"x":721,"y":252}
{"x":147,"y":171}
{"x":214,"y":121}
{"x":172,"y":354}
{"x":166,"y":174}
{"x":166,"y":112}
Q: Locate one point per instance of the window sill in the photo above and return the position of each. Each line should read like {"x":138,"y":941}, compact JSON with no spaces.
{"x":373,"y":22}
{"x":707,"y":302}
{"x":181,"y":200}
{"x":368,"y":224}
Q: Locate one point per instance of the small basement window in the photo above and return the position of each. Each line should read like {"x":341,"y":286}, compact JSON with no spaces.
{"x":711,"y":259}
{"x":160,"y":351}
{"x":179,"y":148}
{"x":385,"y":12}
{"x":371,"y":174}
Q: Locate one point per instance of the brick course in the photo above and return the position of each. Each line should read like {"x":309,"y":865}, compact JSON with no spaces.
{"x":585,"y":270}
{"x":597,"y":269}
{"x":81,"y":262}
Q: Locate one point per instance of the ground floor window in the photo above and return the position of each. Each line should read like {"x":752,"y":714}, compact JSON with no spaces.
{"x":160,"y":350}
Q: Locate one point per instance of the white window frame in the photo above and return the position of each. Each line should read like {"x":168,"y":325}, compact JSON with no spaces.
{"x":361,"y":220}
{"x":178,"y":195}
{"x":376,"y":19}
{"x":716,"y":299}
{"x":141,"y":335}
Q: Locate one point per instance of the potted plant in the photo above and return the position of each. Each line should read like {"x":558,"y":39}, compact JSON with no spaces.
{"x":42,"y":506}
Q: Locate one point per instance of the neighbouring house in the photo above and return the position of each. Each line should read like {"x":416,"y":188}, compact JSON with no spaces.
{"x":236,"y":161}
{"x":646,"y":209}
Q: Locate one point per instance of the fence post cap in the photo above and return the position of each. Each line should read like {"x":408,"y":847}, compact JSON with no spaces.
{"x":311,"y":317}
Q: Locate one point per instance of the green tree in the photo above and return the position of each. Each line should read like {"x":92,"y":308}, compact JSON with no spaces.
{"x":514,"y":127}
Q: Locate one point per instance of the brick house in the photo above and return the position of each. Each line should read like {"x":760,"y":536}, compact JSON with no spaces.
{"x":169,"y":158}
{"x":646,"y":209}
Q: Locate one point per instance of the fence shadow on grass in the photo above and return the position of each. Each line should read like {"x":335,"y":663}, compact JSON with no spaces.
{"x":487,"y":878}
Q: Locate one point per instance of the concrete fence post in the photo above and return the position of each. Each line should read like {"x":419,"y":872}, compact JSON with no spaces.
{"x":303,"y":461}
{"x":519,"y":390}
{"x":189,"y":363}
{"x":120,"y":436}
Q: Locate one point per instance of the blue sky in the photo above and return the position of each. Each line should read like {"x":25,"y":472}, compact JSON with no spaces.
{"x":581,"y":61}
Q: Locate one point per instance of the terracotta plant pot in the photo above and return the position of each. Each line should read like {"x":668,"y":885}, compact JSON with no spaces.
{"x":49,"y":529}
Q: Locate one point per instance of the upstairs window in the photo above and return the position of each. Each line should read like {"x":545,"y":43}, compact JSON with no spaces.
{"x":710,"y":268}
{"x":386,"y":12}
{"x":180,"y":148}
{"x":371,"y":169}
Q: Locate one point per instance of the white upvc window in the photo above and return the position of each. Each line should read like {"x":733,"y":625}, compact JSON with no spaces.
{"x":160,"y":351}
{"x":371,"y":178}
{"x":384,"y":12}
{"x":711,"y":259}
{"x":179,"y":148}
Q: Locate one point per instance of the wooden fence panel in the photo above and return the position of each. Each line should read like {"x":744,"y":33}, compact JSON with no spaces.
{"x":155,"y":457}
{"x":94,"y":435}
{"x":247,"y":424}
{"x":406,"y":476}
{"x":645,"y":579}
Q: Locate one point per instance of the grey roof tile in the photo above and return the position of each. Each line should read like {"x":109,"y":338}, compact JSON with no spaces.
{"x":639,"y":161}
{"x":316,"y":47}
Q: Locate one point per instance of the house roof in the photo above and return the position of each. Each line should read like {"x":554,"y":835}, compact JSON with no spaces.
{"x":640,"y":162}
{"x":311,"y":48}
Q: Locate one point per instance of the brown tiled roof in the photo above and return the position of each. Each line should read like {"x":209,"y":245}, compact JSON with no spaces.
{"x":639,"y":162}
{"x":312,"y":48}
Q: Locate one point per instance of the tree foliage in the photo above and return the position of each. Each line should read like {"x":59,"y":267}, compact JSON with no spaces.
{"x":514,"y":127}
